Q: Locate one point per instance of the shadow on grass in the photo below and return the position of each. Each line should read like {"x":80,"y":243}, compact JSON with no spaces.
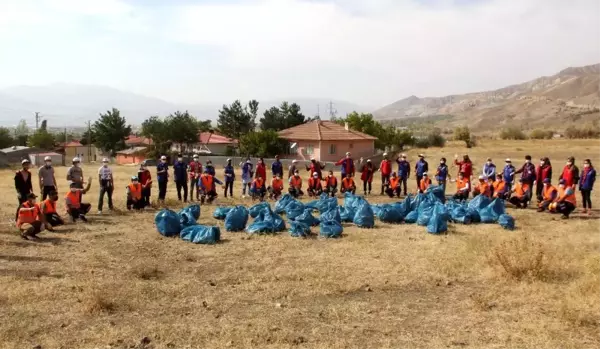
{"x":29,"y":274}
{"x":10,"y":258}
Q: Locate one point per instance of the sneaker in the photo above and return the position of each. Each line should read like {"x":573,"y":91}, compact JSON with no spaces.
{"x":100,"y":213}
{"x":564,"y":217}
{"x":82,"y":217}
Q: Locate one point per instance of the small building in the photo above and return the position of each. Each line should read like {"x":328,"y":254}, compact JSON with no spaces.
{"x":208,"y":143}
{"x":86,"y":153}
{"x":131,"y":156}
{"x":16,"y":154}
{"x":135,"y":141}
{"x":327,"y":141}
{"x":37,"y":159}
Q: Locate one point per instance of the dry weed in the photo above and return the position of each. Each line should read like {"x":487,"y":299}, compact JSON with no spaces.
{"x":147,"y":272}
{"x":98,"y":303}
{"x":521,"y":258}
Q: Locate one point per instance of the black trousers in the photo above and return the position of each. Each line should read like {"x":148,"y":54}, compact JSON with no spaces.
{"x":314,"y":192}
{"x":586,"y":198}
{"x":54,"y":219}
{"x":385,"y":179}
{"x":462,"y":195}
{"x":351,"y":190}
{"x":544,"y":205}
{"x":403,"y":182}
{"x":162,"y":190}
{"x":211,"y":196}
{"x":274,"y":193}
{"x":331,"y":190}
{"x":393,"y":192}
{"x":108,"y":191}
{"x":367,"y":187}
{"x":81,"y":211}
{"x":229,"y":186}
{"x":519,"y":202}
{"x":194,"y":186}
{"x":182,"y":185}
{"x":46,"y":191}
{"x":419,"y":183}
{"x":539,"y":189}
{"x":146,"y":193}
{"x":136,"y":205}
{"x":565,"y":208}
{"x":294,"y":192}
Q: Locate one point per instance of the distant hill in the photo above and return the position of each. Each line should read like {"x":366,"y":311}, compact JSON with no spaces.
{"x":72,"y":105}
{"x":567,"y":97}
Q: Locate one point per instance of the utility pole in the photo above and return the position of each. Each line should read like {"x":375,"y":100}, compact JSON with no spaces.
{"x":89,"y":140}
{"x":37,"y":120}
{"x":332,"y":111}
{"x":64,"y":157}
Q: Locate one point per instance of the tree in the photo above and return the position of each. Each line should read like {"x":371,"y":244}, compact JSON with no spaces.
{"x":236,"y":120}
{"x":262,"y":144}
{"x":182,"y":128}
{"x":464,"y":134}
{"x":22,"y":133}
{"x":63,"y":137}
{"x":204,"y":126}
{"x":156,"y":129}
{"x":286,"y":116}
{"x":6,"y":138}
{"x":111,"y":130}
{"x":44,"y":125}
{"x":87,"y":135}
{"x":387,"y":137}
{"x":513,"y":133}
{"x":42,"y":139}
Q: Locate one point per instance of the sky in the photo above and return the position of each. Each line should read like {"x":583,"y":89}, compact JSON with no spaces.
{"x":367,"y":52}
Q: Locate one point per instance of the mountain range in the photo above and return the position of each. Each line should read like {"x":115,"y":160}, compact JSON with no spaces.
{"x":570,"y":96}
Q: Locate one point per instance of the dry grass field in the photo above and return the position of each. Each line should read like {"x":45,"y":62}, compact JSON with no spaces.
{"x":117,"y":283}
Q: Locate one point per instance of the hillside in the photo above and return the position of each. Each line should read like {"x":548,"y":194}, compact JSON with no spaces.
{"x":569,"y":96}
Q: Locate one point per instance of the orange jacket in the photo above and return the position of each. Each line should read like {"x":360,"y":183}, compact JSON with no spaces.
{"x":394,"y":182}
{"x":462,"y":183}
{"x":28,"y":216}
{"x":348,"y":183}
{"x":424,"y":184}
{"x":484,"y":189}
{"x":135,"y":190}
{"x":548,"y":193}
{"x":207,"y":182}
{"x":296,"y":182}
{"x":49,"y":206}
{"x":568,"y":197}
{"x":331,"y":181}
{"x":521,"y":189}
{"x":74,"y":198}
{"x":277,"y":184}
{"x":499,"y":187}
{"x":258,"y":183}
{"x":314,"y":183}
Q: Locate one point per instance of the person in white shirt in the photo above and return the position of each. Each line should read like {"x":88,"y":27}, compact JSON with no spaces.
{"x":105,"y":178}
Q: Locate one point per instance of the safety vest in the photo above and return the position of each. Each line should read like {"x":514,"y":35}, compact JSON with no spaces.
{"x":347,"y":183}
{"x":520,"y":190}
{"x":484,"y":189}
{"x":207,"y":182}
{"x":28,"y":216}
{"x":74,"y":198}
{"x":259,"y":183}
{"x":314,"y":183}
{"x":563,"y":196}
{"x":548,"y":191}
{"x":277,"y":183}
{"x":331,"y":181}
{"x":462,"y":183}
{"x":394,"y":182}
{"x":296,"y":182}
{"x":424,"y":184}
{"x":49,"y":206}
{"x":499,"y":188}
{"x":135,"y":190}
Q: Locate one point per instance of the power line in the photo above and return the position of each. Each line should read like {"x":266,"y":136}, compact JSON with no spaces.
{"x":332,"y":110}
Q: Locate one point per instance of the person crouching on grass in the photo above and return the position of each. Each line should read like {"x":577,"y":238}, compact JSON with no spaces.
{"x":463,"y":187}
{"x":549,"y":193}
{"x":73,"y":200}
{"x":482,"y":188}
{"x":315,"y":188}
{"x":330,"y":184}
{"x":348,"y":185}
{"x":499,"y":187}
{"x":258,"y":189}
{"x":134,"y":195}
{"x":145,"y":179}
{"x":295,"y":188}
{"x":424,"y":183}
{"x":207,"y":187}
{"x":566,"y":201}
{"x":30,"y":221}
{"x":519,"y":196}
{"x":393,"y":188}
{"x":48,"y":209}
{"x":276,"y":187}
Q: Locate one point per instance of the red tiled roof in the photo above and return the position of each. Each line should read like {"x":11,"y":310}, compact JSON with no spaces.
{"x":323,"y":131}
{"x":133,"y":140}
{"x":215,"y":138}
{"x":74,"y":144}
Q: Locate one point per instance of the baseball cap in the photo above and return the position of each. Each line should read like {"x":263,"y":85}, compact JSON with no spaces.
{"x":76,"y":159}
{"x":562,"y":181}
{"x":421,"y":155}
{"x":547,"y":180}
{"x":163,"y":157}
{"x":385,"y":154}
{"x":424,"y":174}
{"x":481,"y":177}
{"x":47,"y":158}
{"x":134,"y":178}
{"x":507,"y":160}
{"x":31,"y":196}
{"x":105,"y":160}
{"x":25,"y":161}
{"x":294,"y":161}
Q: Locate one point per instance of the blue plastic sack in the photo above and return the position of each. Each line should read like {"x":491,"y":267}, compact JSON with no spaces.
{"x":330,"y":229}
{"x":313,"y":205}
{"x":282,"y":203}
{"x":479,"y":202}
{"x":256,"y":209}
{"x":351,"y":200}
{"x":332,"y":215}
{"x":506,"y":221}
{"x":474,"y":214}
{"x":416,"y":202}
{"x":167,"y":223}
{"x":493,"y":211}
{"x":266,"y":222}
{"x":221,"y":212}
{"x":299,"y":229}
{"x":294,"y":209}
{"x":192,"y":210}
{"x":364,"y":217}
{"x":438,"y":223}
{"x":437,"y":191}
{"x":411,"y":217}
{"x":377,"y":207}
{"x":459,"y":214}
{"x":236,"y":219}
{"x":201,"y":234}
{"x":346,"y":215}
{"x":327,"y":204}
{"x":307,"y":218}
{"x":390,"y":213}
{"x":425,"y":211}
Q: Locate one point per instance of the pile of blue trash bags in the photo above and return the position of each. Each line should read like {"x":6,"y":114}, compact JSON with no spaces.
{"x":185,"y":225}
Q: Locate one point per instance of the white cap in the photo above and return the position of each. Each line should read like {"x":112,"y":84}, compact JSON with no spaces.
{"x":76,"y":159}
{"x":47,"y":158}
{"x":403,"y":155}
{"x":315,"y":174}
{"x":248,"y":161}
{"x":105,"y":160}
{"x":312,"y":158}
{"x":163,"y":157}
{"x":228,"y":159}
{"x":195,"y":156}
{"x":25,"y":161}
{"x":424,"y":173}
{"x":481,"y":177}
{"x":368,"y":160}
{"x":421,"y":155}
{"x":507,"y":160}
{"x":347,"y":153}
{"x":385,"y":154}
{"x":294,"y":161}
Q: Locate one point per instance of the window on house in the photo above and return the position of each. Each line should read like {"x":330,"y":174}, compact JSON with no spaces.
{"x":351,"y":145}
{"x":309,"y":149}
{"x":332,"y":149}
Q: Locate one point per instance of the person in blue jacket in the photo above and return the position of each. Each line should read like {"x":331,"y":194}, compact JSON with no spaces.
{"x":489,"y":170}
{"x":586,"y":184}
{"x":229,"y":178}
{"x":247,"y":174}
{"x":403,"y":171}
{"x":347,"y":165}
{"x":508,"y":173}
{"x":162,"y":175}
{"x":421,"y":167}
{"x":210,"y":168}
{"x":180,"y":174}
{"x":441,"y":175}
{"x":277,"y":167}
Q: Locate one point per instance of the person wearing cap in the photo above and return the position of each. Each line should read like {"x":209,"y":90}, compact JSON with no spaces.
{"x":30,"y":220}
{"x":348,"y":185}
{"x":247,"y":174}
{"x":463,"y":187}
{"x":499,"y":187}
{"x":276,"y":187}
{"x":76,"y":208}
{"x":548,"y":195}
{"x":489,"y":169}
{"x":482,"y":187}
{"x":570,"y":173}
{"x":47,"y":180}
{"x":393,"y":188}
{"x":315,"y":188}
{"x":543,"y":172}
{"x":23,"y":182}
{"x":442,"y":175}
{"x":331,"y":184}
{"x":162,"y":175}
{"x":107,"y":185}
{"x":181,"y":176}
{"x":421,"y":167}
{"x":403,"y":172}
{"x":48,"y":209}
{"x":258,"y":190}
{"x":207,"y":187}
{"x":195,"y":171}
{"x":565,"y":201}
{"x":145,"y":179}
{"x":277,"y":167}
{"x":528,"y":175}
{"x":519,"y":194}
{"x":367,"y":170}
{"x":229,"y":178}
{"x":75,"y":173}
{"x":508,"y":173}
{"x":347,"y":165}
{"x":385,"y":167}
{"x":134,"y":194}
{"x":292,"y":168}
{"x":586,"y":184}
{"x":315,"y":166}
{"x":295,"y":183}
{"x":425,"y":183}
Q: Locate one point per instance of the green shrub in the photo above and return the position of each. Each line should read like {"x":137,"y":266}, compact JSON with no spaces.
{"x":512,"y":133}
{"x":573,"y":132}
{"x":541,"y":134}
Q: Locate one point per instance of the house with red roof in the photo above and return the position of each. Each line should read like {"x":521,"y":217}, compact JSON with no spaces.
{"x":208,"y":143}
{"x":135,"y":141}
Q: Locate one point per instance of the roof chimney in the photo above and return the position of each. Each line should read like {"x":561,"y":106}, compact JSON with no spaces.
{"x":346,"y":126}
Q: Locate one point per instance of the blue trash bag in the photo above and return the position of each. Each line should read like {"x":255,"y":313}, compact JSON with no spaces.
{"x":256,"y":209}
{"x":411,"y":217}
{"x":193,"y":210}
{"x":460,"y":214}
{"x":493,"y":211}
{"x":167,"y":223}
{"x":299,"y":229}
{"x":313,"y":205}
{"x":346,"y":215}
{"x":277,"y":222}
{"x":407,"y":203}
{"x":294,"y":209}
{"x":307,"y":218}
{"x":201,"y":234}
{"x":424,"y":212}
{"x":332,"y":215}
{"x":479,"y":202}
{"x":260,"y":227}
{"x":438,"y":192}
{"x":438,"y":223}
{"x":506,"y":221}
{"x":282,"y":203}
{"x":327,"y":204}
{"x":474,"y":214}
{"x":416,"y":202}
{"x":236,"y":219}
{"x":221,"y":212}
{"x":330,"y":229}
{"x":350,"y":200}
{"x":377,"y":207}
{"x":390,"y":214}
{"x":364,"y":217}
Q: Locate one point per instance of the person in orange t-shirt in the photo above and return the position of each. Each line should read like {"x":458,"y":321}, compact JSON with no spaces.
{"x":519,"y":195}
{"x":295,"y":188}
{"x":424,"y":183}
{"x":463,"y":187}
{"x":348,"y":184}
{"x":315,"y":188}
{"x":482,"y":188}
{"x":330,"y":184}
{"x":393,"y":186}
{"x":276,"y":187}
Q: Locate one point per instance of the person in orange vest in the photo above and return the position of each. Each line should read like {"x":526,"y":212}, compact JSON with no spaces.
{"x":134,"y":195}
{"x":30,"y":221}
{"x":565,"y":201}
{"x":73,"y":200}
{"x":424,"y":183}
{"x":330,"y":184}
{"x":519,"y":196}
{"x":463,"y":187}
{"x":348,"y":184}
{"x":295,"y":182}
{"x":258,"y":189}
{"x":207,"y":186}
{"x":482,"y":188}
{"x":276,"y":187}
{"x":145,"y":179}
{"x":315,"y":188}
{"x":499,"y":187}
{"x":549,"y":193}
{"x":48,"y":209}
{"x":393,"y":187}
